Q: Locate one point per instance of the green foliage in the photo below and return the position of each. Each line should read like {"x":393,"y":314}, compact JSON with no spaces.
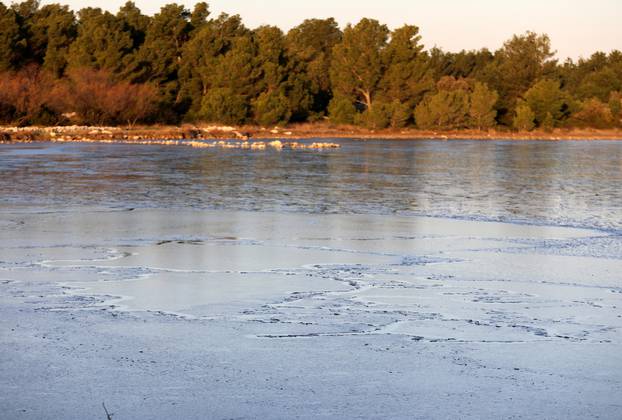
{"x":59,"y":25}
{"x":192,"y":66}
{"x":385,"y":114}
{"x":104,"y":42}
{"x":309,"y":47}
{"x":595,"y":77}
{"x":546,"y":97}
{"x":406,"y":77}
{"x":203,"y":54}
{"x":198,"y":18}
{"x":445,"y":110}
{"x":377,"y":117}
{"x":271,"y":108}
{"x":400,"y":114}
{"x":481,"y":108}
{"x":458,"y":103}
{"x":524,"y":118}
{"x":341,"y":110}
{"x":594,"y":113}
{"x":234,"y":72}
{"x":516,"y":67}
{"x":270,"y":60}
{"x":522,"y":60}
{"x":303,"y":104}
{"x":9,"y":38}
{"x":223,"y":105}
{"x":46,"y":32}
{"x":358,"y":63}
{"x":463,"y":64}
{"x":548,"y":124}
{"x":615,"y":105}
{"x":134,"y":22}
{"x":599,"y":84}
{"x":373,"y":65}
{"x":158,"y":59}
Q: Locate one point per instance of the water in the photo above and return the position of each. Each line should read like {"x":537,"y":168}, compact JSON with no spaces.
{"x":401,"y":279}
{"x":570,"y":183}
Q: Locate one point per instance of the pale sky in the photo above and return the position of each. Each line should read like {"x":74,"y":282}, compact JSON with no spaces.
{"x":576,"y":27}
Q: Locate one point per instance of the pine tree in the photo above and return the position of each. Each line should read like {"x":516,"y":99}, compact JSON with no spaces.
{"x":30,"y":49}
{"x":524,"y":118}
{"x":231,"y":84}
{"x":548,"y":124}
{"x":104,"y":42}
{"x":481,"y":108}
{"x":272,"y":105}
{"x":59,"y":25}
{"x":271,"y":108}
{"x":309,"y":49}
{"x":10,"y":38}
{"x":400,"y":114}
{"x":341,"y":110}
{"x":198,"y":18}
{"x":216,"y":69}
{"x":134,"y":22}
{"x":47,"y":32}
{"x":158,"y":59}
{"x":358,"y":63}
{"x":224,"y":105}
{"x":270,"y":61}
{"x":406,"y":77}
{"x":516,"y":67}
{"x":201,"y":56}
{"x":546,"y":97}
{"x":448,"y":108}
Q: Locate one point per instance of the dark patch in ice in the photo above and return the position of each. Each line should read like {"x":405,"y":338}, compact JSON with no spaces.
{"x":182,"y":242}
{"x":425,"y":260}
{"x":7,"y":281}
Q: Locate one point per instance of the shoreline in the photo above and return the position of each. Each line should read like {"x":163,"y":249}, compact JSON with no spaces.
{"x":291,"y":132}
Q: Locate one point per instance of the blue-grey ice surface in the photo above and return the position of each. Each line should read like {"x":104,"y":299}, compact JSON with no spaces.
{"x":382,"y":280}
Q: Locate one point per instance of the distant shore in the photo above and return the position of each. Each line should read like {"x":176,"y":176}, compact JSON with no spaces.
{"x":291,"y":132}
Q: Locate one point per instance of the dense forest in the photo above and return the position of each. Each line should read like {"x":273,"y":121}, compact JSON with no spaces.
{"x":95,"y":67}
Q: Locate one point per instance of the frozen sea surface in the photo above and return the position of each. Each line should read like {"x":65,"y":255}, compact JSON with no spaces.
{"x":570,"y":183}
{"x":425,"y":284}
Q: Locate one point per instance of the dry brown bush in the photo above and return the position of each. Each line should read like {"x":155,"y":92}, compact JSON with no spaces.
{"x":26,"y":96}
{"x":98,"y":99}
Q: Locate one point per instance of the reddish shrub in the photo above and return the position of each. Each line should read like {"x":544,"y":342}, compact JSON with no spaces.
{"x":98,"y":99}
{"x":26,"y":97}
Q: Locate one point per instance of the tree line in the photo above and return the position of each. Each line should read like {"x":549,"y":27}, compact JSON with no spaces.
{"x":96,"y":67}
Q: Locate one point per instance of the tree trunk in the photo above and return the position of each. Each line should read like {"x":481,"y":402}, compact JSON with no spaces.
{"x":367,"y":96}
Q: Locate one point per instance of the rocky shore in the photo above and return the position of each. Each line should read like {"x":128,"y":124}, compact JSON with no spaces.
{"x":221,"y":137}
{"x":246,"y":136}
